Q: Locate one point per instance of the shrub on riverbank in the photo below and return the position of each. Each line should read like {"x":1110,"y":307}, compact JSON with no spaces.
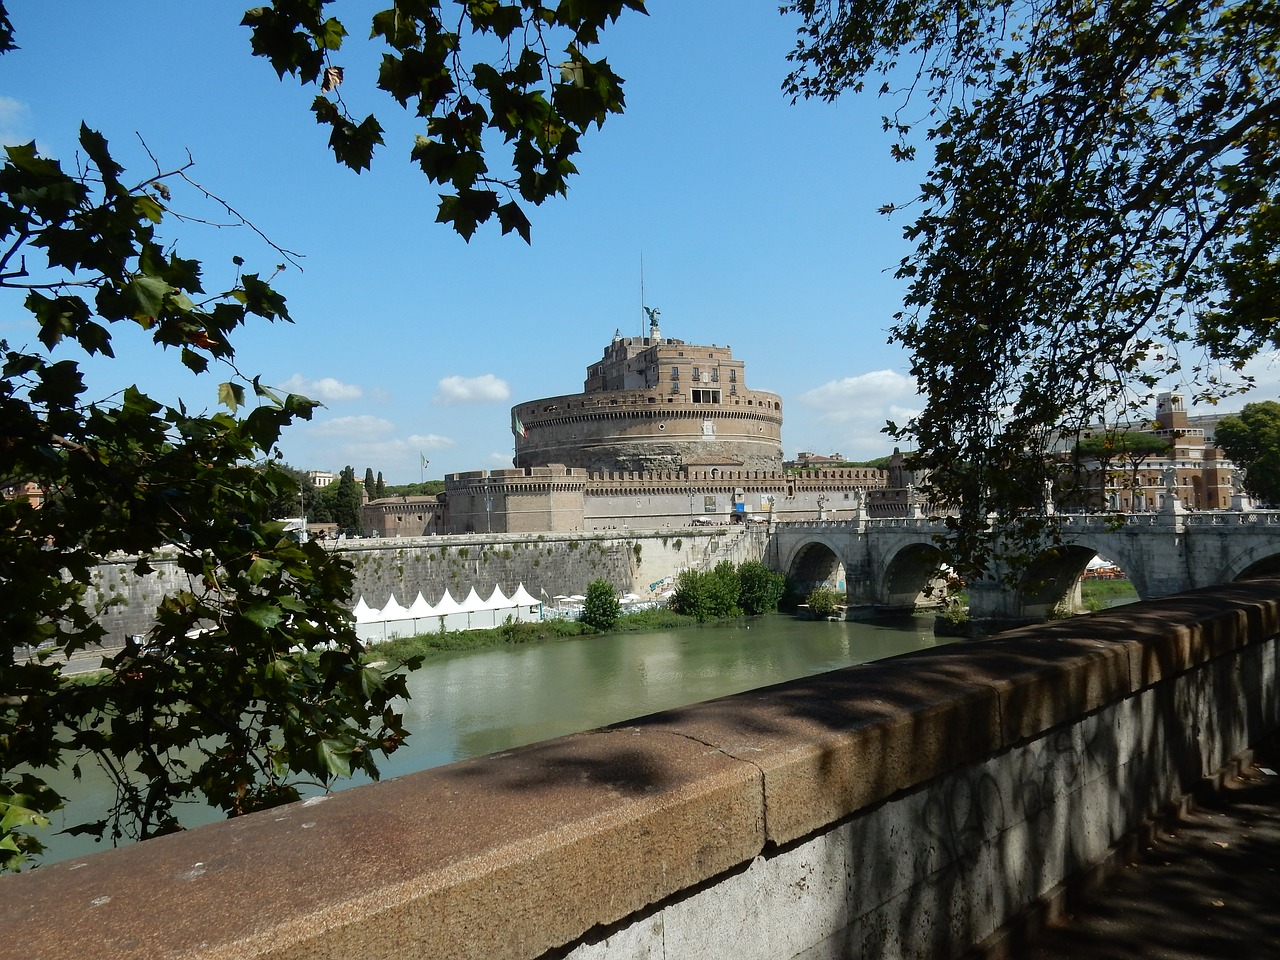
{"x":600,"y":610}
{"x":710,"y":595}
{"x":725,"y":592}
{"x":759,"y":588}
{"x":822,"y":602}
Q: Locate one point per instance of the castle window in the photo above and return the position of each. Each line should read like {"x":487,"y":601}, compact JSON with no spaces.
{"x":675,"y":373}
{"x":715,"y":374}
{"x":704,"y":396}
{"x":733,"y":375}
{"x":696,"y":375}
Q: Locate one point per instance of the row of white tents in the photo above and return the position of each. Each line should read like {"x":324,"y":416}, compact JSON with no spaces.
{"x":446,"y":614}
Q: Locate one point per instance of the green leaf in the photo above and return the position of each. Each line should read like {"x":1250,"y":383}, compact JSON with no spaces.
{"x":335,"y":756}
{"x":259,"y":570}
{"x":265,"y":615}
{"x":149,"y":294}
{"x":148,"y":207}
{"x":231,"y":395}
{"x":512,"y":218}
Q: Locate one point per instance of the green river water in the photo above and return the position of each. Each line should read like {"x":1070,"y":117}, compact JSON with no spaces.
{"x":470,"y":703}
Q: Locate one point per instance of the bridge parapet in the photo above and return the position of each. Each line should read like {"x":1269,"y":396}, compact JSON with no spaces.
{"x":1225,"y":518}
{"x":902,"y":808}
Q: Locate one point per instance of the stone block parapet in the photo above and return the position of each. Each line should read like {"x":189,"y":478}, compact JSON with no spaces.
{"x":895,"y":809}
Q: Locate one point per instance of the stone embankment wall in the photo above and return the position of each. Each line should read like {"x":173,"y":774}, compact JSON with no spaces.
{"x":644,"y":563}
{"x":906,"y":808}
{"x":554,"y":563}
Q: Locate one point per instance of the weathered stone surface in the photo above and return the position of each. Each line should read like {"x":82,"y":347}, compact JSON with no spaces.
{"x":505,"y":856}
{"x":832,"y":744}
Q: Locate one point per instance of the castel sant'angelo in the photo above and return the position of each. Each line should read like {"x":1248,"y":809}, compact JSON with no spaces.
{"x":664,"y":434}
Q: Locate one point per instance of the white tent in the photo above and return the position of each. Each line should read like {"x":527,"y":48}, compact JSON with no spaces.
{"x":449,"y":615}
{"x":528,"y":608}
{"x":396,"y":620}
{"x":420,"y":607}
{"x":479,"y":615}
{"x":365,"y":613}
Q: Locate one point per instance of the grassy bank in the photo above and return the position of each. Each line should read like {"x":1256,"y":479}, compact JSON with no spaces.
{"x":1100,"y":594}
{"x":424,"y":645}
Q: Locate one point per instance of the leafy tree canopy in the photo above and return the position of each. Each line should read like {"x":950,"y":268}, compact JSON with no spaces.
{"x":428,"y":488}
{"x":1121,"y":443}
{"x":218,"y":701}
{"x":1100,"y":215}
{"x":1252,"y":440}
{"x":519,"y":73}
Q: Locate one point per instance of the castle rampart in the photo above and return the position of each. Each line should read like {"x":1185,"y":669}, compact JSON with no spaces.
{"x":654,"y":403}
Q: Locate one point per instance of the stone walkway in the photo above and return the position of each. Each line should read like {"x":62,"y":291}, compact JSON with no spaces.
{"x":1209,"y":889}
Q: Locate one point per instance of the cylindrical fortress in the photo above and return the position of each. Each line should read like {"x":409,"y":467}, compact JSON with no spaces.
{"x":654,"y":404}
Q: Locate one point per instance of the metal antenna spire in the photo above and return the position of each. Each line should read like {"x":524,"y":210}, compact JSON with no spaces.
{"x":642,"y":305}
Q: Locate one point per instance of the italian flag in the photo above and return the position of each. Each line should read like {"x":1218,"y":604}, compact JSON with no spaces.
{"x":517,"y":427}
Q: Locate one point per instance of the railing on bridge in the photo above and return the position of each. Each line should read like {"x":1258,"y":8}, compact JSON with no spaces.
{"x":1200,"y":518}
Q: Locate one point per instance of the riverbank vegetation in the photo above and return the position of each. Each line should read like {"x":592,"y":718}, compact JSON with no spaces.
{"x":727,"y":591}
{"x":1101,"y":594}
{"x":405,"y":649}
{"x":823,"y":601}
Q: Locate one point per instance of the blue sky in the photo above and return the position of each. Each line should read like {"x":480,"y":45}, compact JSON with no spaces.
{"x":755,"y":220}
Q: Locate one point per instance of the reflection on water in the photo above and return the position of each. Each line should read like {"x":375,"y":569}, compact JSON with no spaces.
{"x":469,"y":703}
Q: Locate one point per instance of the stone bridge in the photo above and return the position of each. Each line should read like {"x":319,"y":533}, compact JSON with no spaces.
{"x":895,"y":564}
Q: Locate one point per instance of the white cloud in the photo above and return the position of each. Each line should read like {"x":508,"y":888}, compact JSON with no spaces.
{"x":397,"y":456}
{"x":326,"y":389}
{"x":879,"y":394}
{"x":429,"y":441}
{"x":14,"y":120}
{"x":848,"y":415}
{"x":454,"y":391}
{"x":396,"y":451}
{"x":359,"y":427}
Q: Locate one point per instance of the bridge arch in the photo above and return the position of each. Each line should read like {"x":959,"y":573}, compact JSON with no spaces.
{"x":912,"y":578}
{"x":1261,"y":561}
{"x":1051,"y":584}
{"x":816,"y":564}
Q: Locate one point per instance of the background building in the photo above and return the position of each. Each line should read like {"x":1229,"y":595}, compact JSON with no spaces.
{"x":652,"y":404}
{"x":1191,"y":468}
{"x":664,"y":434}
